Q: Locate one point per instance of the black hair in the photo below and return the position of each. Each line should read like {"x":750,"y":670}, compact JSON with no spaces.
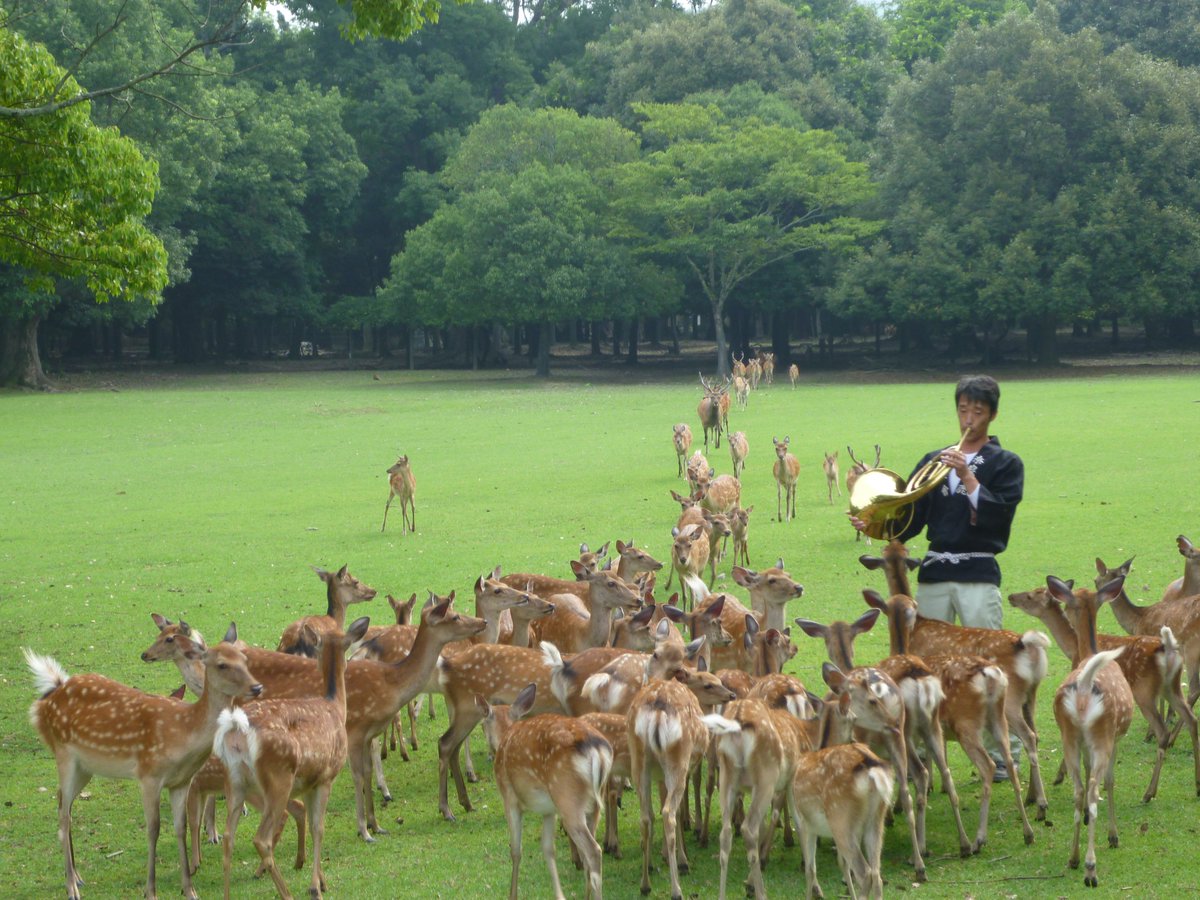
{"x":981,"y":388}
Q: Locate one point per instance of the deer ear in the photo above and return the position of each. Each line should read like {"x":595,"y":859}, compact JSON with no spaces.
{"x":701,"y":665}
{"x":524,"y":702}
{"x":693,"y":649}
{"x":450,"y":599}
{"x":663,"y":629}
{"x":481,"y":704}
{"x":621,"y":546}
{"x":811,"y":628}
{"x":716,"y":607}
{"x":583,"y":548}
{"x":1111,"y":590}
{"x":833,"y":676}
{"x":344,"y":571}
{"x":674,"y":613}
{"x":752,"y":626}
{"x":1101,"y":568}
{"x":161,"y":621}
{"x":1059,"y":589}
{"x":185,"y":629}
{"x":231,"y":634}
{"x":322,"y":574}
{"x":871,"y":562}
{"x":779,"y":563}
{"x":496,"y":573}
{"x":742,"y":576}
{"x":438,"y":611}
{"x":865,"y":622}
{"x":479,"y":585}
{"x":874,"y":599}
{"x":912,"y":564}
{"x":603,"y":551}
{"x":358,"y":628}
{"x":579,"y":569}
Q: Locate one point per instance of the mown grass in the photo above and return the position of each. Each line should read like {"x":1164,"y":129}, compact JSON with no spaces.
{"x":208,"y":498}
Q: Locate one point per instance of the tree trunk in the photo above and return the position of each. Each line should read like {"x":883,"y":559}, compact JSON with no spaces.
{"x":722,"y":343}
{"x":20,"y":362}
{"x":411,"y":344}
{"x":594,"y":331}
{"x":1043,"y":332}
{"x":616,"y":338}
{"x":781,"y":342}
{"x":632,"y":356}
{"x":1116,"y":332}
{"x":545,"y":335}
{"x":674,"y":335}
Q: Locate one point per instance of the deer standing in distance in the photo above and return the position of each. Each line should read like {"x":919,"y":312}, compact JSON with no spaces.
{"x":793,"y":374}
{"x":402,"y":485}
{"x":768,"y":368}
{"x":738,"y":364}
{"x":341,"y":590}
{"x":682,"y":438}
{"x":754,"y":373}
{"x":1093,"y":708}
{"x":710,"y":409}
{"x":1152,"y":667}
{"x":556,"y":766}
{"x":739,"y":524}
{"x":786,"y":470}
{"x":1181,"y":615}
{"x":96,"y":726}
{"x":739,"y":449}
{"x":830,"y":467}
{"x":282,"y":749}
{"x":1022,"y":657}
{"x":741,"y":390}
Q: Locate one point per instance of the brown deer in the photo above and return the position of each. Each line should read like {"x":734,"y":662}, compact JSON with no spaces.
{"x":689,"y":556}
{"x":758,"y":748}
{"x":1093,"y":708}
{"x":739,"y":524}
{"x":697,"y":471}
{"x":793,"y":374}
{"x":771,"y":590}
{"x":739,"y":449}
{"x":830,"y":467}
{"x":741,"y":390}
{"x":403,"y":485}
{"x":1151,"y":666}
{"x":786,"y":470}
{"x":573,"y":630}
{"x":341,"y":590}
{"x":720,"y":494}
{"x":754,"y":373}
{"x":710,"y":410}
{"x":548,"y":585}
{"x":682,"y":439}
{"x":556,"y":766}
{"x":96,"y":726}
{"x":280,"y":749}
{"x":1189,"y":584}
{"x":768,"y":368}
{"x":666,"y":739}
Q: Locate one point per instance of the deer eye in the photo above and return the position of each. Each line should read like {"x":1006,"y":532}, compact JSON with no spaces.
{"x":170,"y":640}
{"x":222,"y":666}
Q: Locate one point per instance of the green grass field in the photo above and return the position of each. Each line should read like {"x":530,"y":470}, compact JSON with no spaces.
{"x":209,"y":498}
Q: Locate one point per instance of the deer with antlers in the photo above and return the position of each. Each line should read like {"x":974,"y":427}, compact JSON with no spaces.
{"x":682,"y":438}
{"x":1093,"y":708}
{"x":341,"y":590}
{"x":96,"y":726}
{"x":786,"y":470}
{"x":713,"y":410}
{"x":402,"y":485}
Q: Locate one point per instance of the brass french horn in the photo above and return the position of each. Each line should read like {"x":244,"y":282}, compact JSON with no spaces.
{"x":885,"y":502}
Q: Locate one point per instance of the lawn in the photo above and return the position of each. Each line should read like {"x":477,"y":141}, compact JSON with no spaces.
{"x":210,"y":497}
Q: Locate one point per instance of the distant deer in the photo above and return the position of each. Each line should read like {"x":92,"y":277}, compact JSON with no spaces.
{"x":794,"y":374}
{"x":713,"y":410}
{"x":341,"y":590}
{"x":754,"y":373}
{"x":830,"y":465}
{"x":739,"y":524}
{"x":739,"y":449}
{"x":96,"y":726}
{"x":768,"y":368}
{"x":402,"y":484}
{"x":683,"y":444}
{"x":786,"y":470}
{"x":741,"y":389}
{"x":739,"y":365}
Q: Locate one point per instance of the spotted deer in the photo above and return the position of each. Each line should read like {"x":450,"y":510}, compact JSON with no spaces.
{"x":739,"y":449}
{"x":786,"y":470}
{"x":96,"y":726}
{"x":1188,"y":585}
{"x":402,"y":485}
{"x":712,"y":410}
{"x":682,"y":438}
{"x":768,"y":368}
{"x":830,"y":467}
{"x":1093,"y":708}
{"x":341,"y":590}
{"x":741,"y":390}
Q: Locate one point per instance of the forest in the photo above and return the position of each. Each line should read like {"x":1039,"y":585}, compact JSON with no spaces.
{"x":208,"y":180}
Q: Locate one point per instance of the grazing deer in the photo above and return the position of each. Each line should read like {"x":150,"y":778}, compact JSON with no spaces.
{"x":739,"y":449}
{"x":768,"y":368}
{"x":739,"y":524}
{"x":285,"y":748}
{"x":741,"y":390}
{"x":682,"y":439}
{"x":402,"y":484}
{"x":1093,"y":708}
{"x":713,"y":410}
{"x":793,"y":374}
{"x":341,"y":590}
{"x":1152,"y":667}
{"x":96,"y":726}
{"x":830,"y":467}
{"x":556,"y":766}
{"x":786,"y":470}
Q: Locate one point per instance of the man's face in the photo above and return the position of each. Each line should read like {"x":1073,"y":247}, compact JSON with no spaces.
{"x":974,"y":416}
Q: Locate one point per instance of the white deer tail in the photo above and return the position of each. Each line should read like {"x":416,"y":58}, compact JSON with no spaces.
{"x":698,"y":588}
{"x":235,"y":743}
{"x":48,"y":675}
{"x":594,"y":764}
{"x":1031,"y":662}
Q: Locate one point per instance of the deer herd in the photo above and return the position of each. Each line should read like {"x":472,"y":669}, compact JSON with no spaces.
{"x":586,"y":685}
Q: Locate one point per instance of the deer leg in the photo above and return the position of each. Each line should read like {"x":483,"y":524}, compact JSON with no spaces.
{"x":1015,"y":714}
{"x":709,"y":785}
{"x":151,"y":792}
{"x":179,"y":797}
{"x":778,"y":501}
{"x":1000,"y":734}
{"x":460,"y":726}
{"x":1091,"y":811}
{"x":359,"y":767}
{"x":297,"y":811}
{"x":385,"y":512}
{"x":414,"y":708}
{"x":808,"y":841}
{"x":1072,"y":756}
{"x":234,"y":799}
{"x":728,"y":788}
{"x":674,"y":783}
{"x":548,"y":827}
{"x":899,"y":753}
{"x":1159,"y":729}
{"x":376,"y":751}
{"x":468,"y":762}
{"x":760,"y":805}
{"x":641,"y":777}
{"x":1186,"y":717}
{"x":931,"y":732}
{"x":72,"y":779}
{"x":317,"y":805}
{"x":612,"y":793}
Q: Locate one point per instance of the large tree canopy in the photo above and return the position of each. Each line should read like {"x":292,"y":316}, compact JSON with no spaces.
{"x":729,"y":197}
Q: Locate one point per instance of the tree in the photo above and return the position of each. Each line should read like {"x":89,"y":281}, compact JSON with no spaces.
{"x":729,"y":198}
{"x":922,"y":28}
{"x":73,"y":199}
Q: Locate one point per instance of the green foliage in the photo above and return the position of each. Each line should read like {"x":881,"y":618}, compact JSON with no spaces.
{"x":1166,"y":30}
{"x":208,"y":499}
{"x":922,"y":28}
{"x":73,"y":197}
